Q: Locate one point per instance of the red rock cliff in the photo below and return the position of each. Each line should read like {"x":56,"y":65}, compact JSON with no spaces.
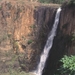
{"x":24,"y":27}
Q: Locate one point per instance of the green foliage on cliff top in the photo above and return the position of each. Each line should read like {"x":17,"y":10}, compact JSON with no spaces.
{"x":57,"y":1}
{"x":52,"y":1}
{"x":71,"y":2}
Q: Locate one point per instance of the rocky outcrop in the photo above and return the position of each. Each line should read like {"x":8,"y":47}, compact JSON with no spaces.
{"x":24,"y":28}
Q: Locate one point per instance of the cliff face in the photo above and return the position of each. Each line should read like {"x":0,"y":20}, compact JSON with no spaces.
{"x":64,"y":42}
{"x":24,"y":28}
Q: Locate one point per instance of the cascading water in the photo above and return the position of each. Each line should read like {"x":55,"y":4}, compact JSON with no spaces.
{"x":48,"y":45}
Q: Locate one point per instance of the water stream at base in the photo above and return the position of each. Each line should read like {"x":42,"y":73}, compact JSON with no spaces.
{"x":48,"y":45}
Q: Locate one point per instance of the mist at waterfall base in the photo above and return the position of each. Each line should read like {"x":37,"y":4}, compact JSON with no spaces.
{"x":48,"y":45}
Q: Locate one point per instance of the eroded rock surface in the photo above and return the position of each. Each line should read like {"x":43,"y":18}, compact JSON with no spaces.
{"x":24,"y":28}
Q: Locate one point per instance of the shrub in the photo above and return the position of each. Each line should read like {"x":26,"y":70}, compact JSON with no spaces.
{"x":30,"y":41}
{"x":68,"y":65}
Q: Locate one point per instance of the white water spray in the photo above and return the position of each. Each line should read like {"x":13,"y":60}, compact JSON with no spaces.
{"x":48,"y":45}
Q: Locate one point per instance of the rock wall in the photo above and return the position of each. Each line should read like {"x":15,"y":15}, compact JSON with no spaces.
{"x":64,"y":42}
{"x":24,"y":28}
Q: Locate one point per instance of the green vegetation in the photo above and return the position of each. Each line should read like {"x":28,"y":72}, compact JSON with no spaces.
{"x":3,"y":37}
{"x":52,"y":1}
{"x":73,"y":37}
{"x":57,"y":1}
{"x":23,"y":38}
{"x":68,"y":65}
{"x":65,"y":26}
{"x":33,"y":26}
{"x":16,"y":44}
{"x":72,"y":1}
{"x":0,"y":7}
{"x":30,"y":41}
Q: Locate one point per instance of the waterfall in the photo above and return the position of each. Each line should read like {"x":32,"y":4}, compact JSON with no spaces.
{"x":48,"y":45}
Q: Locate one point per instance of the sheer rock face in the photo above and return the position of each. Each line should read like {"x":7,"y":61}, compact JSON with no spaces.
{"x":24,"y":28}
{"x":64,"y":42}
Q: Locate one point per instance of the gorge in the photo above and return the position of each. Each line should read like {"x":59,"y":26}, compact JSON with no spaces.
{"x":48,"y":45}
{"x":24,"y":28}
